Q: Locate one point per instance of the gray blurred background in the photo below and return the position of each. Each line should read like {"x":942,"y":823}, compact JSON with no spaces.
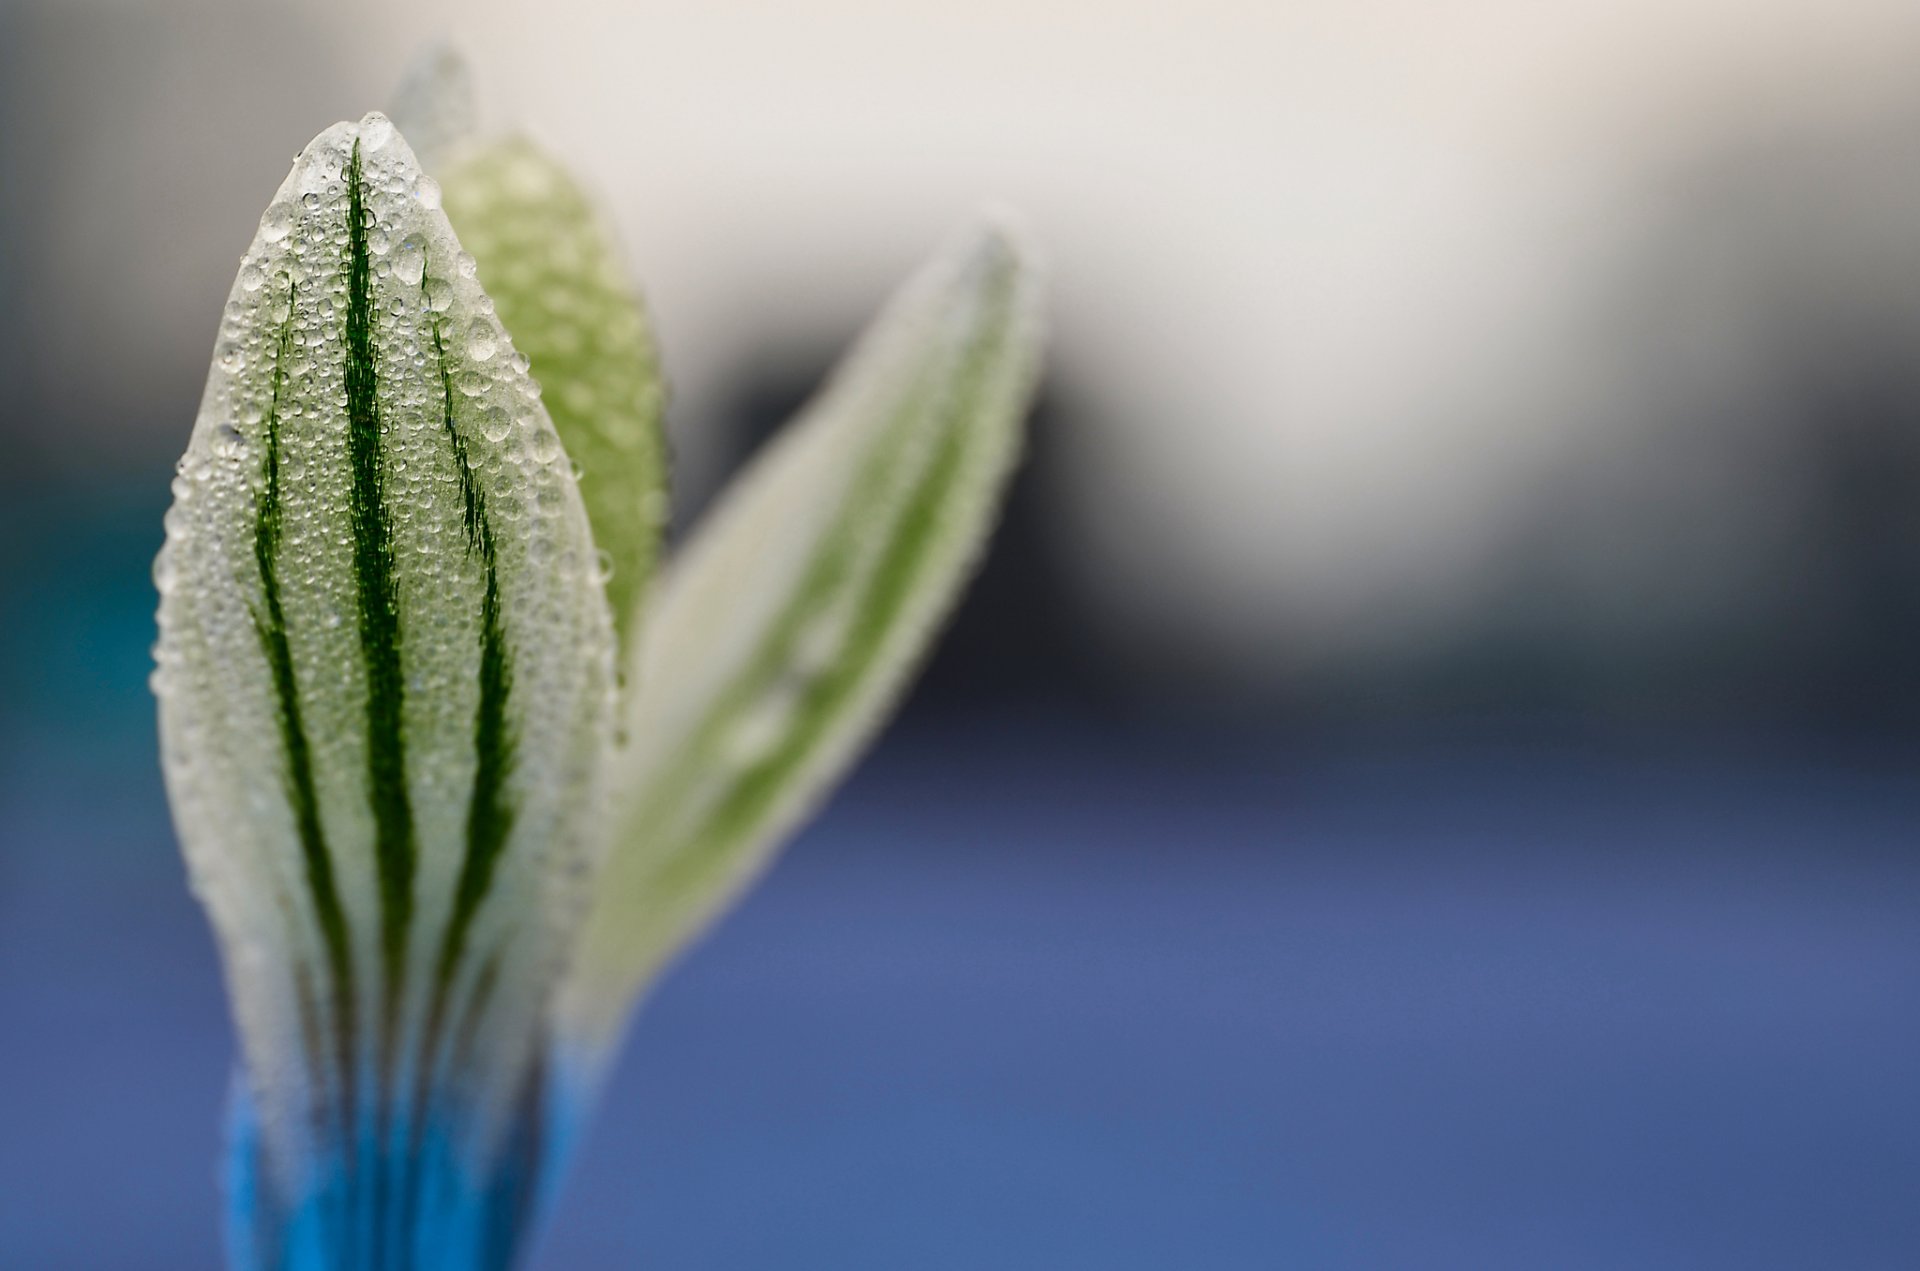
{"x":1426,"y":776}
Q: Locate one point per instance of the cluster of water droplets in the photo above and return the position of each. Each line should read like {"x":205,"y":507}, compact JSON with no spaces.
{"x":551,"y":267}
{"x":274,"y":439}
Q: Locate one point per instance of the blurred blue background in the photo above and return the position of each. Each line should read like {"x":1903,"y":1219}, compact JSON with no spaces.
{"x":1428,"y":777}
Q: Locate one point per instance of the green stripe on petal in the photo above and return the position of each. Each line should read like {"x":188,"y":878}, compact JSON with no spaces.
{"x":798,"y":611}
{"x":385,"y":681}
{"x":548,"y":260}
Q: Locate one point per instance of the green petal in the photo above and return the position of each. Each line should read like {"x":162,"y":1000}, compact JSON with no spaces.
{"x":549,"y":262}
{"x":384,"y":673}
{"x":795,"y":616}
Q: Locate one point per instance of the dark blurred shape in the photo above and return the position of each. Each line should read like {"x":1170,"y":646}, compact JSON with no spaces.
{"x":1745,"y":547}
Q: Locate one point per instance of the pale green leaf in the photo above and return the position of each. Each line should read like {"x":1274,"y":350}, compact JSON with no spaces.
{"x":384,"y":677}
{"x":547,"y":258}
{"x":794,"y":617}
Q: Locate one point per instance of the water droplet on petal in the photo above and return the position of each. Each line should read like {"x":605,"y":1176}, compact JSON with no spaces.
{"x":481,"y":342}
{"x":277,"y":223}
{"x":758,"y":732}
{"x":228,"y":442}
{"x":427,"y":190}
{"x":376,"y":130}
{"x":410,"y":260}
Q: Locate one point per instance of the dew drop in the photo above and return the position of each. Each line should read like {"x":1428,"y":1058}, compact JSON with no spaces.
{"x":376,"y":130}
{"x":494,"y":423}
{"x":466,"y":264}
{"x":544,"y":445}
{"x":277,"y":223}
{"x":481,"y":342}
{"x":228,"y":442}
{"x":758,"y":732}
{"x":252,"y":277}
{"x":410,"y":260}
{"x":603,"y":565}
{"x":427,"y":190}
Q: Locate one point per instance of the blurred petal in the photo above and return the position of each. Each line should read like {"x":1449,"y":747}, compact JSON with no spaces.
{"x":795,"y":616}
{"x":384,"y":684}
{"x":547,"y":259}
{"x":433,"y":104}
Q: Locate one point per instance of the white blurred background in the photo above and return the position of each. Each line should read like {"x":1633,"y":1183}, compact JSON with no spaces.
{"x":1486,"y":350}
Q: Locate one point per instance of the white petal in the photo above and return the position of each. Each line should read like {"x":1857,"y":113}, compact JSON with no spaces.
{"x":384,"y":682}
{"x":793,"y":620}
